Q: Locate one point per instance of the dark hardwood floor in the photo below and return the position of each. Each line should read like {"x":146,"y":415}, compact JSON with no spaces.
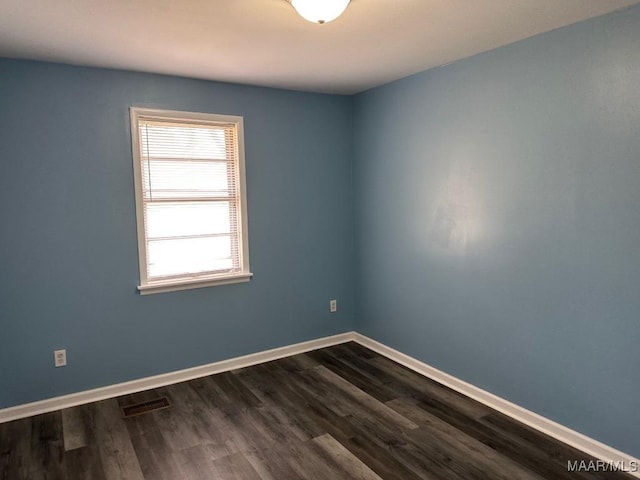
{"x":342,"y":412}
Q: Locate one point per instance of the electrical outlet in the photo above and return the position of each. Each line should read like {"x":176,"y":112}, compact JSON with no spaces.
{"x":333,"y":306}
{"x":60,"y":358}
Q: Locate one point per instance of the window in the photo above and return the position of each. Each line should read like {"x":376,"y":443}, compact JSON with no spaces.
{"x":190,"y":199}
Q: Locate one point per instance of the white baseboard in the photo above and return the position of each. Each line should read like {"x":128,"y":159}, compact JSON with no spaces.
{"x":88,"y":396}
{"x":555,"y":430}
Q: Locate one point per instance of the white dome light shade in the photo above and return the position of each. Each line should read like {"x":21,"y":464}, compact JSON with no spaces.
{"x":320,"y":11}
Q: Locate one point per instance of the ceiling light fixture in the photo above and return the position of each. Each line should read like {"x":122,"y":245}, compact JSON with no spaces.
{"x":320,"y":11}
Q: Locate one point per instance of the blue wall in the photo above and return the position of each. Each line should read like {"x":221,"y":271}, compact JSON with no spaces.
{"x":498,"y":222}
{"x":68,"y":261}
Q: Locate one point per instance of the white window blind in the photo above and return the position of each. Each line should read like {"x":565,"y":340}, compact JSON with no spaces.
{"x":190,"y":197}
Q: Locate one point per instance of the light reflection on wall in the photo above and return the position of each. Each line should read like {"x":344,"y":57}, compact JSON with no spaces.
{"x":455,"y":223}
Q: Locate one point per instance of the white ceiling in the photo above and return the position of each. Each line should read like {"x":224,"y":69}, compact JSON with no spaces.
{"x":264,"y":42}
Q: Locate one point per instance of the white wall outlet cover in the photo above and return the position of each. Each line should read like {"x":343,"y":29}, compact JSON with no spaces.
{"x":60,"y":358}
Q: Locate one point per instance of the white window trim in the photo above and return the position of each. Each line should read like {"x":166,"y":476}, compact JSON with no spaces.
{"x":198,"y":281}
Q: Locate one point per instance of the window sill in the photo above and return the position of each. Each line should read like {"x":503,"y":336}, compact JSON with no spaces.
{"x":177,"y":285}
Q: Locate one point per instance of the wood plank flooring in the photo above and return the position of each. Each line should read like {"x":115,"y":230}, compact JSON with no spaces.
{"x":342,"y":412}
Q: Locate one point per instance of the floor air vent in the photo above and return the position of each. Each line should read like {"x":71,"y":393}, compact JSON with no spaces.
{"x":145,"y":407}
